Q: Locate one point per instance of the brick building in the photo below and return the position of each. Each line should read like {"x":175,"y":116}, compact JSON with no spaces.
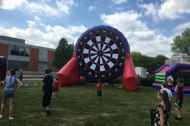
{"x":27,"y":57}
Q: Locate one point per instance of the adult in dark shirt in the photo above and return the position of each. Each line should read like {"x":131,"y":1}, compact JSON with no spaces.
{"x":47,"y":89}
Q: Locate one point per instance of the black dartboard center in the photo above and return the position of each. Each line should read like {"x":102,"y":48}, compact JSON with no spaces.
{"x":100,"y":53}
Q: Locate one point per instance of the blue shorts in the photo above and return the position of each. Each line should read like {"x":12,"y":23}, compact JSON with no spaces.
{"x":8,"y":93}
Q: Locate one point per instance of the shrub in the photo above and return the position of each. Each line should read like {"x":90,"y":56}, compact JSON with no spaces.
{"x":147,"y":81}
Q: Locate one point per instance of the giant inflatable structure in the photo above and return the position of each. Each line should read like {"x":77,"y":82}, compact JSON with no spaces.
{"x":177,"y":70}
{"x":101,"y":52}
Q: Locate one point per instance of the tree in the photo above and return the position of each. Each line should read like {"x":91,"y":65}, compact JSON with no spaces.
{"x":136,"y":56}
{"x":181,"y":43}
{"x":63,"y":53}
{"x":150,"y":63}
{"x":159,"y":60}
{"x":140,"y":60}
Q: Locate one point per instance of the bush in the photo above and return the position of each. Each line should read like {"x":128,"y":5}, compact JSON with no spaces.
{"x":118,"y":80}
{"x":147,"y":81}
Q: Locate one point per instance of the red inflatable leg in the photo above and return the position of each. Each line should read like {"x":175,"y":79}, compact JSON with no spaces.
{"x":69,"y":74}
{"x":129,"y":75}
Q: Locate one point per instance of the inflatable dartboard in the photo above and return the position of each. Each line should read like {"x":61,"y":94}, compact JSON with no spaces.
{"x":100,"y":53}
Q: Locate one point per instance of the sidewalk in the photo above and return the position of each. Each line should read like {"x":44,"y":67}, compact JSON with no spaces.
{"x":32,"y":79}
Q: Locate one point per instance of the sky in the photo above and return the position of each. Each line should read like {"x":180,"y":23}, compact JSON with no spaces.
{"x":149,"y":25}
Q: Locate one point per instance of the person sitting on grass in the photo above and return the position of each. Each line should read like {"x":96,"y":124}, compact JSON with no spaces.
{"x":9,"y":91}
{"x":99,"y":87}
{"x":179,"y":99}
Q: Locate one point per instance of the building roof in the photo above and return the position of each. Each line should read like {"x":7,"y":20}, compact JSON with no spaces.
{"x":11,"y":39}
{"x":20,"y":42}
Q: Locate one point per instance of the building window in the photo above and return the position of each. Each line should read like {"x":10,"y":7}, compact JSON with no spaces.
{"x":12,"y":64}
{"x":27,"y":51}
{"x":19,"y":50}
{"x":14,"y":50}
{"x":43,"y":55}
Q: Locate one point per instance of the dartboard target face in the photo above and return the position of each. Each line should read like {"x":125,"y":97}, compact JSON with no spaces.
{"x":101,"y":53}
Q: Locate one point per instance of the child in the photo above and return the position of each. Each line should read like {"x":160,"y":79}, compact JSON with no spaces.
{"x":56,"y":87}
{"x":164,"y":87}
{"x":47,"y":89}
{"x":9,"y":93}
{"x":99,"y":87}
{"x":162,"y":111}
{"x":179,"y":99}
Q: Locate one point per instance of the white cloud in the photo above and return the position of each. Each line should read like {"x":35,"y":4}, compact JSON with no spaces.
{"x":49,"y":37}
{"x":169,"y":9}
{"x":12,"y":4}
{"x":139,"y":36}
{"x":151,"y":9}
{"x":64,"y":5}
{"x":31,"y":23}
{"x":91,"y":8}
{"x":36,"y":18}
{"x":182,"y":27}
{"x":43,"y":7}
{"x":119,"y":1}
{"x":172,"y":9}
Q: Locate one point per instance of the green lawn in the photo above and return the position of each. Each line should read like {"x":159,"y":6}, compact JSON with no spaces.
{"x":77,"y":106}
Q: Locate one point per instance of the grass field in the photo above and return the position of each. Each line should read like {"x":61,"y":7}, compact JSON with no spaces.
{"x":77,"y":106}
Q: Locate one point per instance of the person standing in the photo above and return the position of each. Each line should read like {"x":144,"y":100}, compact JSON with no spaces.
{"x":179,"y":99}
{"x":164,"y":87}
{"x":47,"y":89}
{"x":99,"y":87}
{"x":56,"y":86}
{"x":170,"y":82}
{"x":9,"y":92}
{"x":160,"y":115}
{"x":20,"y":75}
